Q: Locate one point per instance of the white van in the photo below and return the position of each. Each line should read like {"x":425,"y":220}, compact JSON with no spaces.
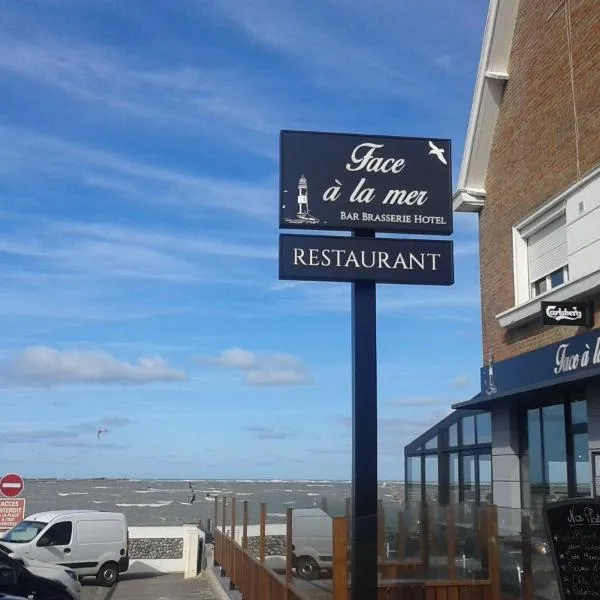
{"x":312,"y":540}
{"x":91,"y":542}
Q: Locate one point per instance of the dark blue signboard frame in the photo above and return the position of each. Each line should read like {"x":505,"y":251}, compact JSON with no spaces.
{"x":337,"y":258}
{"x":352,"y":182}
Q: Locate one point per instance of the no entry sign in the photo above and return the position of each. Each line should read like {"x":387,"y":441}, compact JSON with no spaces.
{"x":11,"y":485}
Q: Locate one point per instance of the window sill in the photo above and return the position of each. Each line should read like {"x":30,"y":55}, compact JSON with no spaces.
{"x":573,"y":290}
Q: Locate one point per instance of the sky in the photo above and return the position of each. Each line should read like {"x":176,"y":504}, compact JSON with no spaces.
{"x":138,"y":234}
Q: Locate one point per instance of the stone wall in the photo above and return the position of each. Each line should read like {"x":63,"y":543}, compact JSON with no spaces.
{"x":275,"y":545}
{"x":156,"y":548}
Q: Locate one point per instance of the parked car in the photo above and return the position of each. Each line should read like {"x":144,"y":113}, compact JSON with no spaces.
{"x":90,"y":542}
{"x":19,"y":579}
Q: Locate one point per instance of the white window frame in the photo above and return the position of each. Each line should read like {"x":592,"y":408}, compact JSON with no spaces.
{"x":524,"y":288}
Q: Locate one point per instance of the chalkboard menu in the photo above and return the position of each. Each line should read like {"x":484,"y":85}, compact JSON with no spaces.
{"x":573,"y":529}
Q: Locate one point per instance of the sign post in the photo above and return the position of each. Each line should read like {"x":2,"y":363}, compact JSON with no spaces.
{"x":11,"y":485}
{"x":364,"y":184}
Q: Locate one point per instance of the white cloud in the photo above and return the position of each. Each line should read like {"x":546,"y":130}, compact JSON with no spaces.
{"x":25,"y":156}
{"x":268,"y":369}
{"x":462,"y":382}
{"x":44,"y":366}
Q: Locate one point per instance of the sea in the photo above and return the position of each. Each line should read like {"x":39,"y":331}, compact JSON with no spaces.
{"x":162,"y":502}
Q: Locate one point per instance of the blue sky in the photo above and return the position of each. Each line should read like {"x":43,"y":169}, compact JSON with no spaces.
{"x":138,"y":234}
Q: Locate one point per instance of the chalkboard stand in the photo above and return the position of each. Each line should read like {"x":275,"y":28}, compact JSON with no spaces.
{"x":573,"y":530}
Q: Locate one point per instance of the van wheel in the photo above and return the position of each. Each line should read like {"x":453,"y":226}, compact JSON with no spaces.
{"x":307,"y":568}
{"x":108,"y":574}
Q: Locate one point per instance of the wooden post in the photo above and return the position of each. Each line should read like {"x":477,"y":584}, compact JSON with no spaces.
{"x":340,"y":558}
{"x":451,"y":541}
{"x":381,"y":531}
{"x":324,"y":503}
{"x":424,"y":514}
{"x":483,"y":518}
{"x":224,"y":515}
{"x":494,"y":551}
{"x":401,"y":539}
{"x":200,"y":524}
{"x":208,"y":525}
{"x":347,"y":509}
{"x":527,"y":582}
{"x":245,"y":526}
{"x":288,"y":551}
{"x":263,"y":529}
{"x":233,"y":518}
{"x":216,"y":515}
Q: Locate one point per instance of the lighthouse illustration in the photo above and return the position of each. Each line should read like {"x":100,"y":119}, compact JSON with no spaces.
{"x":491,"y":388}
{"x":303,"y":215}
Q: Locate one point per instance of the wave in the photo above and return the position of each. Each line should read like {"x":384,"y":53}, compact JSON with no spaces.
{"x":278,"y":515}
{"x":101,"y":487}
{"x":312,"y":494}
{"x":290,"y":502}
{"x":72,"y":493}
{"x":98,"y":502}
{"x":149,"y":505}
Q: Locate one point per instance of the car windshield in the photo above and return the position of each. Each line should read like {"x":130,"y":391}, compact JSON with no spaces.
{"x":24,"y":532}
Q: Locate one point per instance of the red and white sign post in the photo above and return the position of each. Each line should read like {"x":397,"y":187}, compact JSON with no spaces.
{"x":12,"y":509}
{"x":11,"y":485}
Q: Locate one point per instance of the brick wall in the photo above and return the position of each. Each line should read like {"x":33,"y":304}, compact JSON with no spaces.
{"x":533,"y":154}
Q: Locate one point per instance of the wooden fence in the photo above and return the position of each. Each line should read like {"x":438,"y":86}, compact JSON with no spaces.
{"x":400,"y":578}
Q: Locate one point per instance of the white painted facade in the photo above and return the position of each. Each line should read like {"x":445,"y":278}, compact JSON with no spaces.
{"x":580,"y":204}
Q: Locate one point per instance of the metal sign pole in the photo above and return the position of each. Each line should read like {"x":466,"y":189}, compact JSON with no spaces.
{"x":363,"y":563}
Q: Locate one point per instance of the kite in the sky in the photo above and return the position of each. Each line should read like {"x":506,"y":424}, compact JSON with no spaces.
{"x":101,"y":431}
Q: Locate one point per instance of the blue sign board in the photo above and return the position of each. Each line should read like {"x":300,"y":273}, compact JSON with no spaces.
{"x":341,"y":181}
{"x":573,"y":358}
{"x":337,"y":258}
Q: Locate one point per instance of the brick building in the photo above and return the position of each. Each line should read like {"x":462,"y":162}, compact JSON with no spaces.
{"x":531,"y":174}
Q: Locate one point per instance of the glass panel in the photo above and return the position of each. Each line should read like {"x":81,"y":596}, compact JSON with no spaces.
{"x":485,"y":478}
{"x":453,"y":435}
{"x":539,"y":287}
{"x":431,"y":478}
{"x":413,"y":479}
{"x":583,"y":471}
{"x":454,"y":499}
{"x":484,"y":428}
{"x":431,"y":444}
{"x":468,"y":430}
{"x":534,"y":451}
{"x":469,"y":478}
{"x":579,"y":412}
{"x":555,"y":449}
{"x":557,"y":278}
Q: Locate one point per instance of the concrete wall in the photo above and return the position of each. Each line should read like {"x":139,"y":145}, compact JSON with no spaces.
{"x":533,"y":156}
{"x":164,"y":549}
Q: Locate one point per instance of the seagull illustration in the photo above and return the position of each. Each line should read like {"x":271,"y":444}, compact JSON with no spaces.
{"x":439,"y":152}
{"x":101,"y":431}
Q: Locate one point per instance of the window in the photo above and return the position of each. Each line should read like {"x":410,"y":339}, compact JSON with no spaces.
{"x":57,"y":535}
{"x":485,"y":478}
{"x":432,"y":444}
{"x":431,"y":478}
{"x":454,"y":479}
{"x":547,"y":256}
{"x":557,"y":453}
{"x":469,"y":478}
{"x":413,"y":479}
{"x":484,"y":428}
{"x":453,"y":435}
{"x":468,"y":431}
{"x":7,"y":574}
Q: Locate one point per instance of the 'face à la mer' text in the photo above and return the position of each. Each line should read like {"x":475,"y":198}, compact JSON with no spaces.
{"x":366,"y":259}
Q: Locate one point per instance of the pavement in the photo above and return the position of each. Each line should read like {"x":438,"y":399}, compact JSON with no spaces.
{"x":89,"y":591}
{"x":161,"y":587}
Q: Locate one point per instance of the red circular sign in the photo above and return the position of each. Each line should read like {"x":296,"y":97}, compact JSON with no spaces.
{"x":11,"y":485}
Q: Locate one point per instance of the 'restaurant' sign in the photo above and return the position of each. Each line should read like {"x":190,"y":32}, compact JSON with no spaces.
{"x":335,"y":258}
{"x":579,"y":314}
{"x":341,"y":181}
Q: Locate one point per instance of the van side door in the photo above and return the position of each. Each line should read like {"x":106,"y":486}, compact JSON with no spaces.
{"x":54,"y":545}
